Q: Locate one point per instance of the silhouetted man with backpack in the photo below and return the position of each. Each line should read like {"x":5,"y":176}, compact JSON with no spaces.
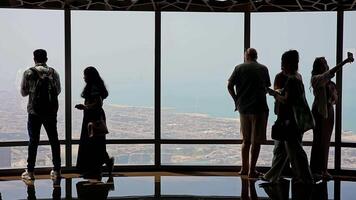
{"x":41,"y":83}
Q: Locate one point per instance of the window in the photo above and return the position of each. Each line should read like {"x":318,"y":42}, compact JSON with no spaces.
{"x":199,"y":53}
{"x":23,"y":31}
{"x":311,"y":34}
{"x":126,"y":154}
{"x":348,"y":86}
{"x":348,"y":97}
{"x":16,"y":157}
{"x":201,"y":154}
{"x":121,"y":46}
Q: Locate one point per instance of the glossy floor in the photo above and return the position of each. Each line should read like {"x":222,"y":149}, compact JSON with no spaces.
{"x":171,"y":186}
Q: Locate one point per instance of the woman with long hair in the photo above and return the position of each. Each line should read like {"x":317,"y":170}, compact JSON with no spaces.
{"x":92,"y":152}
{"x":292,"y":100}
{"x":325,"y":96}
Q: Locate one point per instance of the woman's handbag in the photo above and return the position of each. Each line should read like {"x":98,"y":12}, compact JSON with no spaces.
{"x":279,"y":130}
{"x":284,"y":130}
{"x":97,"y":128}
{"x":303,"y":116}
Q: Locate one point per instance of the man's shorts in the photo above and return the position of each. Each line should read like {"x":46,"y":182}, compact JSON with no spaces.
{"x":253,"y":127}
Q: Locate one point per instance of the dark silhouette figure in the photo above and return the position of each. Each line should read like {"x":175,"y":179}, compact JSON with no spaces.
{"x":291,"y":98}
{"x":92,"y":152}
{"x":320,"y":191}
{"x":248,"y":189}
{"x":302,"y":191}
{"x":278,"y":190}
{"x":250,"y":80}
{"x":31,"y":192}
{"x":279,"y":154}
{"x":41,"y":83}
{"x":98,"y":190}
{"x":325,"y":97}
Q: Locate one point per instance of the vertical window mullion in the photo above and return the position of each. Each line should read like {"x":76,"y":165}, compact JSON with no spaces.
{"x":68,"y":85}
{"x":157,"y":87}
{"x":338,"y":121}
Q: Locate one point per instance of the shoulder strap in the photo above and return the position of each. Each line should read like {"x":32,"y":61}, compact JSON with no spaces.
{"x":33,"y":69}
{"x":50,"y":69}
{"x":35,"y":72}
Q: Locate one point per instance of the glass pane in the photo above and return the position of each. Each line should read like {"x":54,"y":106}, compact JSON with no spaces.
{"x":199,"y":52}
{"x":126,"y":154}
{"x":16,"y":157}
{"x":121,"y":46}
{"x":349,"y":87}
{"x":312,"y":34}
{"x":348,"y":158}
{"x":348,"y":189}
{"x":331,"y":160}
{"x":266,"y":155}
{"x":23,"y":31}
{"x":201,"y":154}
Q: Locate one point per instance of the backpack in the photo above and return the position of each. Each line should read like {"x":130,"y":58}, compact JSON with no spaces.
{"x":45,"y":96}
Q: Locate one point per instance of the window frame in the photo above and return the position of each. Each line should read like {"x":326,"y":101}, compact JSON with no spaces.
{"x":157,"y":141}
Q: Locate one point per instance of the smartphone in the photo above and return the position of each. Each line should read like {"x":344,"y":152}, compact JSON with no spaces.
{"x":350,"y":56}
{"x":271,"y":92}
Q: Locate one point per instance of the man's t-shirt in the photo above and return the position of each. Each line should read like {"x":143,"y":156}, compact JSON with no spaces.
{"x":251,"y":80}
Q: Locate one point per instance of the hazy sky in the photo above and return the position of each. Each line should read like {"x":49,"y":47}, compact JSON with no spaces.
{"x":199,"y":52}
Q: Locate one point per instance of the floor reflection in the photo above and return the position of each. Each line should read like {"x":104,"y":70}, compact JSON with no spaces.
{"x":248,"y":189}
{"x":277,"y":191}
{"x":95,"y":190}
{"x":320,"y":191}
{"x":31,"y":192}
{"x":177,"y":186}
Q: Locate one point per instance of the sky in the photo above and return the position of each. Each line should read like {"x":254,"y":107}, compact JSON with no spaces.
{"x":199,"y":52}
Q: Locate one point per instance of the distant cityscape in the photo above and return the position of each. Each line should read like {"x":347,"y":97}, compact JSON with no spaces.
{"x":128,"y":122}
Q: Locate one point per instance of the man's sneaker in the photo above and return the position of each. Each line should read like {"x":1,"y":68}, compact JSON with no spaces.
{"x":55,"y":174}
{"x":28,"y":176}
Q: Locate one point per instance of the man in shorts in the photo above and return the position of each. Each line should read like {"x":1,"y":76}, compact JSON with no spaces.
{"x":250,"y":79}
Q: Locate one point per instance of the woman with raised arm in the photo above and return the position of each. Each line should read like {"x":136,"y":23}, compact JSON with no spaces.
{"x":92,"y":152}
{"x":325,"y":96}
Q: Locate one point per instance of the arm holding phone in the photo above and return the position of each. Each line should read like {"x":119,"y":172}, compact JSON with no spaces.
{"x":272,"y":92}
{"x":349,"y":59}
{"x":277,"y":95}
